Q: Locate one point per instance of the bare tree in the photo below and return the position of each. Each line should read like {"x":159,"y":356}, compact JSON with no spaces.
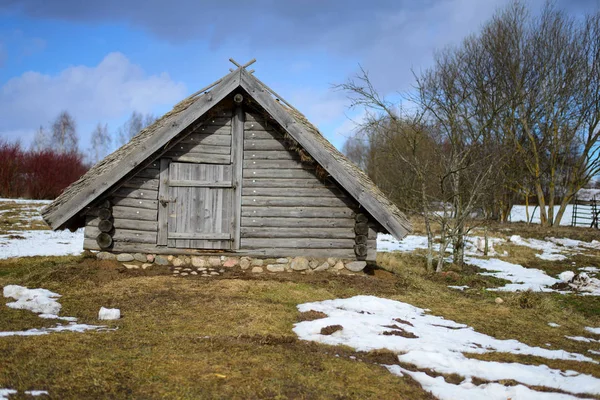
{"x":64,"y":134}
{"x":41,"y":141}
{"x":100,"y":142}
{"x":133,"y":126}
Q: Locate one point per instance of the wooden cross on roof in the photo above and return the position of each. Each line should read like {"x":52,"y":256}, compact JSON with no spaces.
{"x":249,"y":63}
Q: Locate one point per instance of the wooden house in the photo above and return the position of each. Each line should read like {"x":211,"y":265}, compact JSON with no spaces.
{"x":231,"y":170}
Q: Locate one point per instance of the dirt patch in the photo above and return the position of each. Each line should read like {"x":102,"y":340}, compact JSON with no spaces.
{"x":400,"y":332}
{"x":311,"y":315}
{"x":330,"y":329}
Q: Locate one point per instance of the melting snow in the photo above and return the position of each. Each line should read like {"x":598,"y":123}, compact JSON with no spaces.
{"x":42,"y":302}
{"x":41,"y":243}
{"x":458,"y":287}
{"x":522,"y":278}
{"x":439,"y":345}
{"x":553,"y":325}
{"x":518,"y":214}
{"x":595,"y":331}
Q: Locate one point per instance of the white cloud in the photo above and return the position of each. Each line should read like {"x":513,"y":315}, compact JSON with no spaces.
{"x":109,"y":90}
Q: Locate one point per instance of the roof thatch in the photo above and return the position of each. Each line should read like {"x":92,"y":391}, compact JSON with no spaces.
{"x":63,"y":211}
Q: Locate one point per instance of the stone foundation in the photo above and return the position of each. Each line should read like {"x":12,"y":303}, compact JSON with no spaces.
{"x":216,"y":265}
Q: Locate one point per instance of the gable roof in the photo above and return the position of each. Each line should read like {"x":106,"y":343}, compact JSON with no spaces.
{"x":104,"y":175}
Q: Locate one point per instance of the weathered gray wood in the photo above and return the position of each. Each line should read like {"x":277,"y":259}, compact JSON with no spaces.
{"x":256,"y":125}
{"x":209,"y":129}
{"x":181,"y":149}
{"x":305,"y":243}
{"x":133,"y":193}
{"x":298,"y":212}
{"x":237,"y":156}
{"x":291,"y":192}
{"x":292,"y":201}
{"x":361,"y":228}
{"x":163,"y":197}
{"x":263,"y":145}
{"x":138,"y":203}
{"x":289,"y":183}
{"x":261,"y":134}
{"x":276,"y":164}
{"x":124,"y":235}
{"x":257,"y":117}
{"x":203,"y":158}
{"x":105,"y":225}
{"x":298,"y":222}
{"x":320,"y":232}
{"x":209,"y":184}
{"x":200,"y":236}
{"x":361,"y":239}
{"x":278,"y":173}
{"x":361,"y":251}
{"x":122,"y":223}
{"x":361,"y":218}
{"x":270,"y":155}
{"x":148,"y":173}
{"x":398,"y":227}
{"x":134,"y":213}
{"x":174,"y":124}
{"x":199,"y":211}
{"x":141,"y":183}
{"x":209,"y":139}
{"x":104,"y":213}
{"x":104,"y":240}
{"x":219,"y":121}
{"x":347,"y":254}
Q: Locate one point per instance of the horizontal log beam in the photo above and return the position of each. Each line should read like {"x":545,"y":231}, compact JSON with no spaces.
{"x":291,"y":192}
{"x":199,"y":236}
{"x":298,"y":212}
{"x":278,"y":173}
{"x":200,"y":158}
{"x":316,"y":233}
{"x":250,"y":154}
{"x":136,"y":193}
{"x":293,"y":201}
{"x":304,"y":243}
{"x":298,"y":222}
{"x":137,"y":203}
{"x":288,"y":183}
{"x":176,"y":183}
{"x":132,"y":224}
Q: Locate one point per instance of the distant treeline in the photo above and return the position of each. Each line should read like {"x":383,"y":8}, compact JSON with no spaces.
{"x":55,"y":160}
{"x":37,"y":174}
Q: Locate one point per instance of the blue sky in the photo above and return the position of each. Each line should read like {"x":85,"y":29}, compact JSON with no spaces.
{"x":103,"y":60}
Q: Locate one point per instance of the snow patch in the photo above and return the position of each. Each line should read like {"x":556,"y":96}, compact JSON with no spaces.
{"x":438,"y":344}
{"x":42,"y":302}
{"x":39,"y":301}
{"x":553,"y":325}
{"x":41,"y":243}
{"x":522,"y":278}
{"x":461,"y":288}
{"x":109,"y":313}
{"x":595,"y":331}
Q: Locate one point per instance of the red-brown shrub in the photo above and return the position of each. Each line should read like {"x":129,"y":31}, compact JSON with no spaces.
{"x":37,"y":174}
{"x":11,"y":165}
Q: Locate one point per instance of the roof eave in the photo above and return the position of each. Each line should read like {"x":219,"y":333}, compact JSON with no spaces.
{"x":58,"y":217}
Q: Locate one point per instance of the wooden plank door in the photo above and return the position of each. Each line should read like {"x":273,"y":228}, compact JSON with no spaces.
{"x":200,"y":206}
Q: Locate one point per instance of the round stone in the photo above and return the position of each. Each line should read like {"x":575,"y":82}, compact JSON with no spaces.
{"x":124,"y":257}
{"x":257,"y":270}
{"x":356,"y":266}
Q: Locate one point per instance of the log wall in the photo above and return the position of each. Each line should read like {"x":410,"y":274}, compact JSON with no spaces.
{"x":286,"y":210}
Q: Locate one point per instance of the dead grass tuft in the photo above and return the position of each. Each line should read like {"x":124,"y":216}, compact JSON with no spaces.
{"x":331,"y":329}
{"x":311,"y":315}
